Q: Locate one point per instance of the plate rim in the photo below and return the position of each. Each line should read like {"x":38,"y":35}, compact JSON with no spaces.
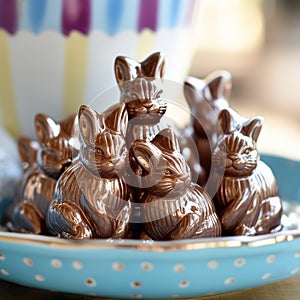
{"x":153,"y":246}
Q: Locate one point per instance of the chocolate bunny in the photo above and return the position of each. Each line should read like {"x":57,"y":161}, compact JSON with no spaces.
{"x":43,"y":160}
{"x":248,"y":200}
{"x":139,"y":84}
{"x":172,"y":206}
{"x":206,"y":98}
{"x":91,"y":200}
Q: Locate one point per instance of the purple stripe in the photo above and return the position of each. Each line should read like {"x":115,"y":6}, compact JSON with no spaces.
{"x":148,"y":14}
{"x":76,"y":15}
{"x":9,"y":15}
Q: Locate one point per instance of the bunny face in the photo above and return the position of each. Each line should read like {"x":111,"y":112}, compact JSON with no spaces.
{"x":165,"y":171}
{"x":103,"y":149}
{"x":236,"y":150}
{"x":56,"y":151}
{"x":139,"y":89}
{"x":143,"y":101}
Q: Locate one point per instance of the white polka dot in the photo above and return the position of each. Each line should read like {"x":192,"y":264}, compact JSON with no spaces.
{"x":294,"y":271}
{"x":266,"y":276}
{"x":229,"y":280}
{"x":271,"y":259}
{"x":4,"y":272}
{"x":176,"y":296}
{"x":28,"y":261}
{"x":136,"y":296}
{"x":2,"y":257}
{"x":56,"y":263}
{"x":90,"y":282}
{"x":239,"y":262}
{"x":117,"y":266}
{"x":213,"y":264}
{"x":297,"y":254}
{"x":77,"y":265}
{"x":39,"y":277}
{"x":135,"y":284}
{"x":146,"y":266}
{"x":178,"y":268}
{"x":184,"y":283}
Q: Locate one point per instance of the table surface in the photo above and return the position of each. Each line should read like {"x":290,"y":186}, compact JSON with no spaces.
{"x":284,"y":290}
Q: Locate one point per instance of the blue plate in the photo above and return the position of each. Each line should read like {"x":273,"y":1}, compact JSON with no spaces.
{"x":135,"y":269}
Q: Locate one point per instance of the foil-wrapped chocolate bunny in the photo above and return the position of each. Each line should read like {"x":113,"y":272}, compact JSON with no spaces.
{"x":172,"y":206}
{"x":44,"y":161}
{"x":90,"y":199}
{"x":247,"y":200}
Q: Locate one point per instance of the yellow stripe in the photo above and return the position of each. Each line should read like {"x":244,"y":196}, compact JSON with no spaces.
{"x":10,"y":119}
{"x":75,"y":72}
{"x":146,"y":44}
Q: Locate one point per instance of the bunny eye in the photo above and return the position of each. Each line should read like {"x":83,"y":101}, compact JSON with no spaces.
{"x":247,"y":151}
{"x":134,"y":96}
{"x":168,"y":172}
{"x":99,"y":151}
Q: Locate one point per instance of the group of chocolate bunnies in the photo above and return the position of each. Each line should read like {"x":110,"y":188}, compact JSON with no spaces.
{"x":121,"y":174}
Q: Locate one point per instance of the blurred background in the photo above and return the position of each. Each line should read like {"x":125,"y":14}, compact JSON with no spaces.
{"x":258,"y":42}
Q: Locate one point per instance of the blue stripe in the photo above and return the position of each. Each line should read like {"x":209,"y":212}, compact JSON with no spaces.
{"x":98,"y":9}
{"x":40,"y":15}
{"x":110,"y":16}
{"x":24,"y":20}
{"x":129,"y":19}
{"x":163,"y":14}
{"x":36,"y":12}
{"x":175,"y":12}
{"x":172,"y":13}
{"x":53,"y":16}
{"x":114,"y":12}
{"x":183,"y":12}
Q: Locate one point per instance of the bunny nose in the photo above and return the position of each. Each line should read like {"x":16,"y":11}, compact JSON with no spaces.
{"x":147,"y":104}
{"x":233,"y":157}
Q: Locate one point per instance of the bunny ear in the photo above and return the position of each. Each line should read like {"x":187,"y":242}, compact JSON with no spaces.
{"x":154,"y":65}
{"x":46,"y":128}
{"x":126,"y":69}
{"x":253,"y":127}
{"x":193,"y":90}
{"x":167,"y":140}
{"x":218,"y":86}
{"x":116,"y":118}
{"x":27,"y":150}
{"x":88,"y":124}
{"x":146,"y":155}
{"x":225,"y":121}
{"x":67,"y":125}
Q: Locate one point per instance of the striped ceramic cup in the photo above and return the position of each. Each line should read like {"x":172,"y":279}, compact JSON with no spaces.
{"x":58,"y":54}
